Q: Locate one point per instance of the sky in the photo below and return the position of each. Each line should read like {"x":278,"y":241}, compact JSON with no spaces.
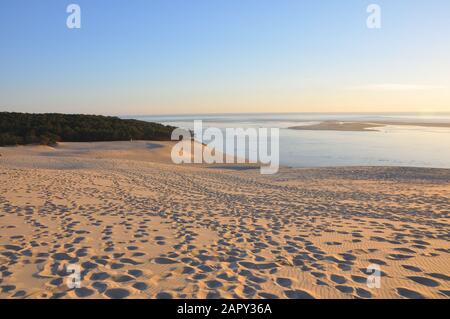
{"x":149,"y":57}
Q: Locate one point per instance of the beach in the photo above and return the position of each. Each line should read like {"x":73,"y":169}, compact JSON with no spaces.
{"x":139,"y":226}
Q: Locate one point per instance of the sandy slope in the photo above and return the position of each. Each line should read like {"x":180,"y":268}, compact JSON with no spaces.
{"x":141,"y":227}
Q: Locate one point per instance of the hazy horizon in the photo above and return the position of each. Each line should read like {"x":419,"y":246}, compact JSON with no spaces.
{"x":417,"y":113}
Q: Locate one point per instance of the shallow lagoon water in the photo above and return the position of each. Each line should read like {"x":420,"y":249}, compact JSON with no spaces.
{"x":392,"y":145}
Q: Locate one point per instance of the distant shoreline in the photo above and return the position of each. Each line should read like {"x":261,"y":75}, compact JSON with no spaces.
{"x":353,"y":126}
{"x":51,"y":128}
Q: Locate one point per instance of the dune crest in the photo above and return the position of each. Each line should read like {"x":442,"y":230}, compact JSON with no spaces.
{"x":139,"y":226}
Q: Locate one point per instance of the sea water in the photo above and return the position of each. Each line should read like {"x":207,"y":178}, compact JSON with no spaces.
{"x":392,"y":145}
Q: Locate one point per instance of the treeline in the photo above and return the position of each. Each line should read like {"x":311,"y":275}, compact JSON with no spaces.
{"x":51,"y":128}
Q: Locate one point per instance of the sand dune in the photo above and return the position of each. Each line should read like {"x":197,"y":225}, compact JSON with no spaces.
{"x":142,"y":227}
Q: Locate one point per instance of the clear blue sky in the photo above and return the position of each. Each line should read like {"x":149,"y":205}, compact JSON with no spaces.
{"x":216,"y":56}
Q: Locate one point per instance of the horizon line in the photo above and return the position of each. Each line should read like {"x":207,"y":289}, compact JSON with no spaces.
{"x":270,"y":113}
{"x":233,"y":113}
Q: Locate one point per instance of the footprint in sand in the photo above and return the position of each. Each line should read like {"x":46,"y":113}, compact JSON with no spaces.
{"x":99,"y":276}
{"x":378,"y":262}
{"x":410,"y":294}
{"x":140,"y":286}
{"x":188,"y":270}
{"x":284,"y":282}
{"x":412,"y":268}
{"x":359,"y":279}
{"x":344,"y":289}
{"x":254,"y":266}
{"x":7,"y":288}
{"x":58,"y":295}
{"x":266,"y":295}
{"x":117,"y":293}
{"x":199,"y":276}
{"x":89,"y":265}
{"x":19,"y":294}
{"x":248,"y":291}
{"x":61,"y":256}
{"x":163,"y":295}
{"x":256,"y":279}
{"x":318,"y":274}
{"x":399,"y":256}
{"x":338,"y":279}
{"x":298,"y":294}
{"x":99,"y":286}
{"x":212,"y":284}
{"x":439,"y":276}
{"x":362,"y":293}
{"x":123,"y":278}
{"x":83,"y":292}
{"x":424,"y":281}
{"x":164,"y":261}
{"x":117,"y":266}
{"x":348,"y":257}
{"x":405,"y":250}
{"x":129,"y":261}
{"x":213,"y":295}
{"x":135,"y":273}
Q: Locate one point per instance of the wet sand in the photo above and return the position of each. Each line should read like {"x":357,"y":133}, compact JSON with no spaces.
{"x":362,"y":126}
{"x":141,"y":227}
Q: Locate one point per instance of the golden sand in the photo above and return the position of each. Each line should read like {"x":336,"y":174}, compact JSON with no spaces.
{"x":141,"y":227}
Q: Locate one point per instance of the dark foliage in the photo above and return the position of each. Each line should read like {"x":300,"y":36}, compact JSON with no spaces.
{"x":48,"y":129}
